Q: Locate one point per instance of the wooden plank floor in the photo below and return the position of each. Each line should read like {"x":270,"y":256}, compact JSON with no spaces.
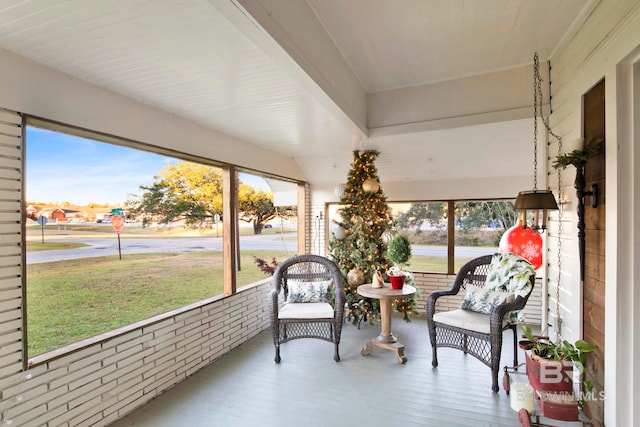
{"x":246,"y":387}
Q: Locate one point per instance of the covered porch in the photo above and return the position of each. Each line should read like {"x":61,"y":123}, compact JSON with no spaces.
{"x":264,"y":85}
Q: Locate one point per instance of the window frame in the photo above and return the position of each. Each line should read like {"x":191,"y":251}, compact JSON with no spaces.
{"x":451,"y":205}
{"x":230,"y":245}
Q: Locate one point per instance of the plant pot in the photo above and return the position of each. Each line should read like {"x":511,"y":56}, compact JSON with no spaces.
{"x":549,"y":375}
{"x":525,"y":344}
{"x":397,"y":282}
{"x":558,"y":406}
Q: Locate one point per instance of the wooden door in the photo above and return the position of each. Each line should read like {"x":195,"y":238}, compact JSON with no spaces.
{"x":594,"y":277}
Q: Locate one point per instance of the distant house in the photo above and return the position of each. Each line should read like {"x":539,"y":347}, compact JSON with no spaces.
{"x":75,"y":214}
{"x":53,"y":213}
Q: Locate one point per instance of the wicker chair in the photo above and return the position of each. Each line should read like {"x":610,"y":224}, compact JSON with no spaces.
{"x":476,"y":333}
{"x":300,"y":314}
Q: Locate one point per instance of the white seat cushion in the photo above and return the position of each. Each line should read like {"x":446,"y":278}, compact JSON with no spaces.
{"x":306,"y":310}
{"x":465,"y":319}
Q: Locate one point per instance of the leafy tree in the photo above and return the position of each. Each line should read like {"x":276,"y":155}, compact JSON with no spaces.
{"x":256,"y":205}
{"x":469,"y":215}
{"x":474,"y":215}
{"x":419,"y":213}
{"x":188,"y":192}
{"x":192,"y":192}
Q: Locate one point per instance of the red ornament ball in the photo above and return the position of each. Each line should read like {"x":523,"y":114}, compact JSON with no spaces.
{"x":524,"y":242}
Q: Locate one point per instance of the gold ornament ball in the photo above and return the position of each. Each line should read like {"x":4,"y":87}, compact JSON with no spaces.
{"x":355,"y":277}
{"x":370,"y":185}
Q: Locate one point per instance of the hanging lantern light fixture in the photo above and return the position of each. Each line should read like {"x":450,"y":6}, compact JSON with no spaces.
{"x":538,"y":202}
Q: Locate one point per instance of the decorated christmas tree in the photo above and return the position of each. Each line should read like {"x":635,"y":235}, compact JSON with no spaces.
{"x":358,"y":246}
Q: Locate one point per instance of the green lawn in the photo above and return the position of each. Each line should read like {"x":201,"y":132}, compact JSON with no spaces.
{"x":52,"y":246}
{"x":71,"y":300}
{"x":433,"y":264}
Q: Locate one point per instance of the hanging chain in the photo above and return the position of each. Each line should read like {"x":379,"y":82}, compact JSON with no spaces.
{"x":537,"y":97}
{"x":558,"y":323}
{"x":537,"y":112}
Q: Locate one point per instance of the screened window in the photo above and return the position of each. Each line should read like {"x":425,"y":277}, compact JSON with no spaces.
{"x":442,"y":242}
{"x":117,"y":234}
{"x":479,"y":225}
{"x":426,"y":226}
{"x":268,"y":225}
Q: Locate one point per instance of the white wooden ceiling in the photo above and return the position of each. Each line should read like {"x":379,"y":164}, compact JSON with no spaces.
{"x":186,"y":57}
{"x":393,"y":44}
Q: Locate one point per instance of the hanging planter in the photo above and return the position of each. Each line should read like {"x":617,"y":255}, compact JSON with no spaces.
{"x":549,"y":375}
{"x":551,"y":369}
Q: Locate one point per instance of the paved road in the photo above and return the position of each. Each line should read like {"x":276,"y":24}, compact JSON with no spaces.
{"x":103,"y":246}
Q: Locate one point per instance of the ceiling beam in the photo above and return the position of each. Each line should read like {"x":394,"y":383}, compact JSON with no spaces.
{"x":488,"y":98}
{"x":289,"y":32}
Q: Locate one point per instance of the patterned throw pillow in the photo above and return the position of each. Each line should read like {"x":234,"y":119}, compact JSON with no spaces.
{"x":483,"y":300}
{"x":300,"y":291}
{"x":510,"y":272}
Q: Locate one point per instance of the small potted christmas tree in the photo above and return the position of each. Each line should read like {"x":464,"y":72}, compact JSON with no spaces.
{"x":399,"y":253}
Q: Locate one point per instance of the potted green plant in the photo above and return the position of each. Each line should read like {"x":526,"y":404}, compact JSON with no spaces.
{"x":551,"y":366}
{"x":399,"y":253}
{"x":591,"y":149}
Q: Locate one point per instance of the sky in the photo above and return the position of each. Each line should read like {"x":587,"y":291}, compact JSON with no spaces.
{"x":65,"y":168}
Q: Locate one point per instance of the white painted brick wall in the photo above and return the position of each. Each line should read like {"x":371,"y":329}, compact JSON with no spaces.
{"x":100,"y":383}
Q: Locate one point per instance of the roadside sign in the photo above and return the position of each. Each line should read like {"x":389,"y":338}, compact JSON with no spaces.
{"x":42,"y":220}
{"x":216,"y":220}
{"x":117,"y":222}
{"x":117,"y":211}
